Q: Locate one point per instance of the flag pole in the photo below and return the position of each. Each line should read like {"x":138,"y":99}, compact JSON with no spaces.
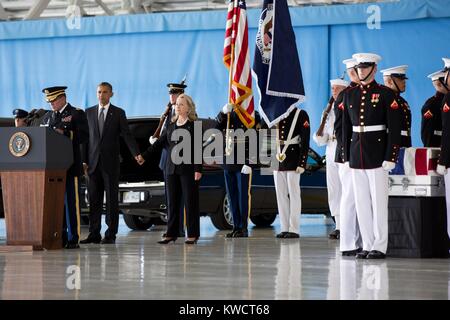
{"x":230,"y":83}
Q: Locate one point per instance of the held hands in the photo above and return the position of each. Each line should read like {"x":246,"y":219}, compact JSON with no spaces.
{"x":60,"y":131}
{"x":246,"y":169}
{"x":300,"y":170}
{"x":442,"y":170}
{"x":388,"y":165}
{"x":227,"y":108}
{"x":85,"y":169}
{"x":197,"y":176}
{"x":140,"y":159}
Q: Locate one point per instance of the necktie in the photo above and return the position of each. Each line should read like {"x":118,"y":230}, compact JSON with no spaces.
{"x":101,"y":120}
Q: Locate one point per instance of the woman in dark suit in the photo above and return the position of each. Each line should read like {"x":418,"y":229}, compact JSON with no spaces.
{"x":183,"y":173}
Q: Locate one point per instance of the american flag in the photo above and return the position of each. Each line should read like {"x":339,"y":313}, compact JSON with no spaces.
{"x":236,"y":57}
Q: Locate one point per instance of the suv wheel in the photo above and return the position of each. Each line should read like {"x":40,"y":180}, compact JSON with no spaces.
{"x":137,"y":222}
{"x":263,"y":220}
{"x":223,"y":218}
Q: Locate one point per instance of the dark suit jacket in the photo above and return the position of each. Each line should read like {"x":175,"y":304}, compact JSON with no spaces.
{"x":165,"y":141}
{"x":108,"y":145}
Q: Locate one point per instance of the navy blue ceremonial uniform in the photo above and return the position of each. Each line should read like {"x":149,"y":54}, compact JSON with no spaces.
{"x":406,"y":122}
{"x":431,"y":128}
{"x":296,"y":153}
{"x":238,"y":185}
{"x":73,"y":122}
{"x":444,"y":158}
{"x":367,"y":106}
{"x":338,"y":109}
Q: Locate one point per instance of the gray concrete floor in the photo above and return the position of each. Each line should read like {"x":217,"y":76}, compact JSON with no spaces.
{"x":260,"y":267}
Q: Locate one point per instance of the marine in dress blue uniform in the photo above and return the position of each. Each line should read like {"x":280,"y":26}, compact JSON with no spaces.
{"x":371,"y":139}
{"x":431,"y":127}
{"x":395,"y":78}
{"x":444,"y":158}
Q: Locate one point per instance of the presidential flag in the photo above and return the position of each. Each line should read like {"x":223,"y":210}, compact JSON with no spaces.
{"x":236,"y":57}
{"x":276,"y":66}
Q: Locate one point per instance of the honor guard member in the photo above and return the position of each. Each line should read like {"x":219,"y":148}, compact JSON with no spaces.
{"x":325,"y":136}
{"x":431,"y":131}
{"x":350,"y":237}
{"x":72,"y":123}
{"x":371,"y":139}
{"x":238,"y":174}
{"x":292,"y":155}
{"x":444,"y":158}
{"x":395,"y":79}
{"x":20,"y":117}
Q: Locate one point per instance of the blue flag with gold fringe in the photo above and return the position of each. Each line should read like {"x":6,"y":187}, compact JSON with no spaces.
{"x":276,"y":65}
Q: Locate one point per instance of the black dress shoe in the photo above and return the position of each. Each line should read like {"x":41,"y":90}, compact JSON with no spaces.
{"x":72,"y":245}
{"x":167,"y":240}
{"x":291,"y":235}
{"x":336,"y":234}
{"x":231,"y":234}
{"x":362,"y":255}
{"x":241,"y":234}
{"x":375,"y":254}
{"x":351,"y":253}
{"x":282,"y":234}
{"x":108,"y":241}
{"x":191,"y":241}
{"x":92,"y":239}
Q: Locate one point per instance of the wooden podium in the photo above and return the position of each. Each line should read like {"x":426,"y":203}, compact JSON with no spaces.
{"x":33,"y":164}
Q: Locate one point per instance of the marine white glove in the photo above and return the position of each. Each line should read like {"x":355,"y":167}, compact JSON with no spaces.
{"x":227,"y":108}
{"x":388,"y":165}
{"x":246,"y":169}
{"x":152,"y":140}
{"x":442,"y":170}
{"x":321,"y":140}
{"x":347,"y":164}
{"x":300,"y":170}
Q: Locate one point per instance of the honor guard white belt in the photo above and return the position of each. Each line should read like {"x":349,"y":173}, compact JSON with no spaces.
{"x":405,"y":133}
{"x":295,"y":140}
{"x":437,"y":133}
{"x":369,"y":128}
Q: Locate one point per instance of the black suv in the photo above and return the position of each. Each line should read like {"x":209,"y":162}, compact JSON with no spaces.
{"x":142,"y":197}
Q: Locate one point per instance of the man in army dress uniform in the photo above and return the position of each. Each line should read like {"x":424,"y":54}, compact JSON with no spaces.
{"x":431,"y":128}
{"x":444,"y":158}
{"x":237,"y":170}
{"x":371,"y":141}
{"x":395,"y":79}
{"x":292,"y":155}
{"x":72,"y":123}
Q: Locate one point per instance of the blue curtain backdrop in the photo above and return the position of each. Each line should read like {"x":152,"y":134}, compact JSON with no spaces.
{"x":140,"y":54}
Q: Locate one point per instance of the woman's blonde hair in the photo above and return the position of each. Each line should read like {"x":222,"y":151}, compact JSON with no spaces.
{"x":192,"y":114}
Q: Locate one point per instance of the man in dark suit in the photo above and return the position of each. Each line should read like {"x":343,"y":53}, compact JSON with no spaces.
{"x":72,"y":123}
{"x":101,"y":162}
